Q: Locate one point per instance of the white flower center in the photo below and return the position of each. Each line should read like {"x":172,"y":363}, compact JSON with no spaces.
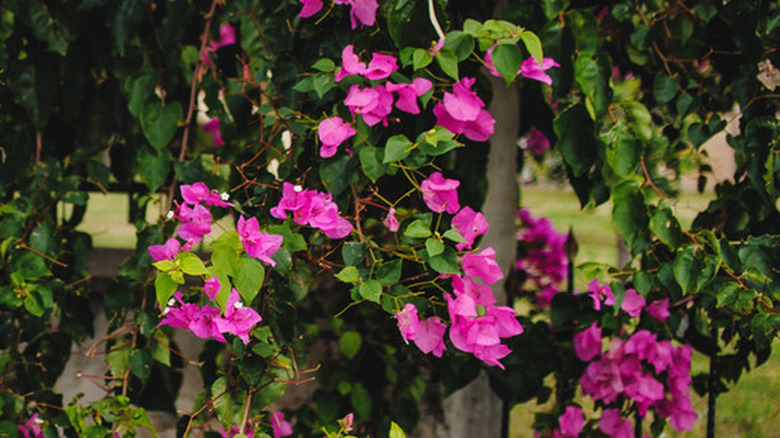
{"x":224,"y":196}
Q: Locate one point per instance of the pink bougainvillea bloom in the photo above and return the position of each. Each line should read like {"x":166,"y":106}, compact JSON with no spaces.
{"x":310,"y":7}
{"x":169,"y":251}
{"x":430,"y":336}
{"x":536,"y":142}
{"x":587,"y":344}
{"x":600,"y":292}
{"x":31,"y":428}
{"x":213,"y":127}
{"x":408,"y":94}
{"x":258,"y":245}
{"x":197,"y":223}
{"x":374,"y":104}
{"x":461,"y":112}
{"x":469,"y":224}
{"x":440,"y":193}
{"x":332,"y":132}
{"x":571,"y":422}
{"x":659,"y":309}
{"x":380,"y":66}
{"x":203,"y":323}
{"x":312,"y":208}
{"x":408,"y":322}
{"x":480,"y":293}
{"x":482,"y":265}
{"x":179,"y":316}
{"x":227,"y":36}
{"x":645,"y":391}
{"x":350,"y":64}
{"x":195,"y":193}
{"x":531,"y":69}
{"x":329,"y":221}
{"x":505,"y":321}
{"x":239,"y":319}
{"x":633,"y":303}
{"x":613,"y":425}
{"x":211,"y":287}
{"x":391,"y":222}
{"x":279,"y":425}
{"x":363,"y":12}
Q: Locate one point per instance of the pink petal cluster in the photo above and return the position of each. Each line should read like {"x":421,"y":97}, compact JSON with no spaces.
{"x":659,"y":309}
{"x":632,"y":303}
{"x":374,"y":104}
{"x":440,"y":194}
{"x":279,"y":425}
{"x":544,"y":262}
{"x":470,"y":225}
{"x":536,"y":142}
{"x":258,"y":245}
{"x":587,"y":343}
{"x":31,"y":428}
{"x":199,"y":192}
{"x":391,"y":222}
{"x":654,"y":374}
{"x":213,"y":127}
{"x":227,"y":36}
{"x":234,"y":430}
{"x":461,"y":112}
{"x":363,"y":12}
{"x":571,"y":422}
{"x":332,"y":132}
{"x":312,"y":208}
{"x":380,"y":66}
{"x":169,"y":251}
{"x":428,"y":335}
{"x":196,"y":219}
{"x":206,"y":322}
{"x":599,"y":293}
{"x":613,"y":425}
{"x":530,"y":68}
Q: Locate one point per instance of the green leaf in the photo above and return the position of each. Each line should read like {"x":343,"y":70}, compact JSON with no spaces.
{"x":221,"y":400}
{"x":439,"y":148}
{"x":34,"y":87}
{"x":46,"y":28}
{"x":153,"y":168}
{"x":388,"y":273}
{"x":361,"y":400}
{"x":349,"y":343}
{"x":664,"y":88}
{"x":249,"y":278}
{"x":533,"y":45}
{"x":294,"y":242}
{"x":118,"y":361}
{"x":335,"y":174}
{"x":629,"y":213}
{"x":192,"y":264}
{"x":141,"y":364}
{"x":623,"y":157}
{"x":164,"y":287}
{"x":453,"y":235}
{"x":685,"y":267}
{"x":371,"y":161}
{"x":370,"y":290}
{"x":160,"y":348}
{"x":592,"y":74}
{"x":225,"y":260}
{"x":665,"y":225}
{"x":353,"y":253}
{"x":139,"y":90}
{"x":252,"y":369}
{"x":576,"y":141}
{"x":324,"y":65}
{"x":421,"y":58}
{"x":33,"y":304}
{"x":448,"y":62}
{"x":418,"y":229}
{"x":459,"y":43}
{"x":30,"y":266}
{"x":397,"y":148}
{"x":348,"y":275}
{"x":445,"y":263}
{"x":507,"y":58}
{"x":433,"y":247}
{"x":163,"y":265}
{"x":323,"y":84}
{"x":396,"y":431}
{"x":159,"y":123}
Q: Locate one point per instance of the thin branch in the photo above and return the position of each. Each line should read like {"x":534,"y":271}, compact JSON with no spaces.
{"x":434,"y":20}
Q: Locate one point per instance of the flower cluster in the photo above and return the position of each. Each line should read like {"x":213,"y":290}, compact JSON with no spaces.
{"x":312,"y":208}
{"x":476,"y":326}
{"x":545,"y":262}
{"x":32,"y":428}
{"x":195,"y":217}
{"x":633,"y":303}
{"x":373,"y":104}
{"x":363,"y":12}
{"x":206,"y":322}
{"x":462,"y":112}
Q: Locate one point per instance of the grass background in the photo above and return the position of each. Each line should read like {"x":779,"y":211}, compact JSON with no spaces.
{"x":751,"y":409}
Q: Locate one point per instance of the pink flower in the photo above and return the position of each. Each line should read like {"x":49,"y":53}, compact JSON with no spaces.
{"x":197,"y":223}
{"x":32,"y":425}
{"x":310,"y":7}
{"x":408,"y":94}
{"x":461,"y":112}
{"x":380,"y":66}
{"x":469,"y":224}
{"x":408,"y":322}
{"x":169,"y":251}
{"x":258,"y":245}
{"x":211,"y":287}
{"x":332,"y":132}
{"x":440,"y":194}
{"x":227,"y":36}
{"x":480,"y":293}
{"x":374,"y":104}
{"x":279,"y":425}
{"x":571,"y":422}
{"x":203,"y":323}
{"x":181,"y":316}
{"x":536,"y":142}
{"x":312,"y":208}
{"x":659,"y":309}
{"x":347,"y":422}
{"x":482,"y":265}
{"x":429,"y":336}
{"x":363,"y":12}
{"x":195,"y":193}
{"x":391,"y":222}
{"x":613,"y":425}
{"x":531,"y":69}
{"x":587,"y":344}
{"x":213,"y":127}
{"x":599,"y":293}
{"x":239,"y":319}
{"x":632,"y":303}
{"x":350,"y":64}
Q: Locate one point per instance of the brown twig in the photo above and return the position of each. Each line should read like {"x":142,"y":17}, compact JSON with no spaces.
{"x":22,"y":245}
{"x":38,"y":146}
{"x":648,"y":179}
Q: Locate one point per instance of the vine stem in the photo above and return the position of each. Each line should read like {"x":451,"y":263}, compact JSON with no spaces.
{"x":193,"y":95}
{"x":434,"y":20}
{"x":245,"y":420}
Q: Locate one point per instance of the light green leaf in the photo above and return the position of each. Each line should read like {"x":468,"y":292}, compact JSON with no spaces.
{"x":434,"y":247}
{"x":249,"y":278}
{"x":349,"y":343}
{"x":418,"y":229}
{"x":370,"y":290}
{"x":533,"y":45}
{"x":448,"y":62}
{"x":164,"y":287}
{"x":397,"y":148}
{"x":507,"y":59}
{"x":349,"y":275}
{"x":192,"y":264}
